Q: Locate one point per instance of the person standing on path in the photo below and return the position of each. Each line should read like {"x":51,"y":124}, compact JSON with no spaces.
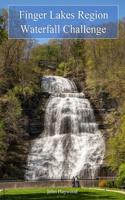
{"x":73,"y":182}
{"x":76,"y":181}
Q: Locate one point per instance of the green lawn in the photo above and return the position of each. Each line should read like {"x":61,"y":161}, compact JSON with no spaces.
{"x":41,"y":193}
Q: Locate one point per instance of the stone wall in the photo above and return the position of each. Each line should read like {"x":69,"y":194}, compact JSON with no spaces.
{"x":47,"y":184}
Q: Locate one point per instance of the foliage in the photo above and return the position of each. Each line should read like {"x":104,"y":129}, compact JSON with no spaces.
{"x":62,"y":65}
{"x":116,"y":142}
{"x":105,"y":64}
{"x":2,"y":135}
{"x":14,"y":121}
{"x":116,"y":153}
{"x":110,"y":183}
{"x":3,"y":32}
{"x":26,"y":90}
{"x":19,"y":80}
{"x":122,"y":172}
{"x":103,"y":183}
{"x":117,"y":183}
{"x":59,"y":72}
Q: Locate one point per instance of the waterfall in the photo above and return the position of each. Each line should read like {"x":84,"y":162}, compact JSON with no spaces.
{"x":71,"y":143}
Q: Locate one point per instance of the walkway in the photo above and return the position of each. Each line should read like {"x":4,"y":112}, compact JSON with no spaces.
{"x":108,"y":190}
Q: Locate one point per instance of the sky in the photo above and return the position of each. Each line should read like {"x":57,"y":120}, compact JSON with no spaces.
{"x":121,"y":3}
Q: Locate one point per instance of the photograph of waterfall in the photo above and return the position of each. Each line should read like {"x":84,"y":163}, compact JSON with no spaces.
{"x":71,"y":144}
{"x":62,"y":100}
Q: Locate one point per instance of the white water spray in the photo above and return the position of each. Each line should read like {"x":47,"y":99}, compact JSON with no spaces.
{"x":72,"y":144}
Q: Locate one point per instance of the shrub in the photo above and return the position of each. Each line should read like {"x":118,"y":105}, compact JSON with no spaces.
{"x":117,"y":183}
{"x":59,"y":72}
{"x":110,"y":183}
{"x":103,"y":183}
{"x":62,"y":65}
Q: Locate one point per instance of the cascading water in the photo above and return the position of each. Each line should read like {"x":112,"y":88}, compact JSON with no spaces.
{"x":71,"y":144}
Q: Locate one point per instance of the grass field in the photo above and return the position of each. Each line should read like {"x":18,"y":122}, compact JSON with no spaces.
{"x":60,"y":193}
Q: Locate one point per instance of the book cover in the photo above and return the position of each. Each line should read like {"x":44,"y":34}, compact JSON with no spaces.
{"x":62,"y":91}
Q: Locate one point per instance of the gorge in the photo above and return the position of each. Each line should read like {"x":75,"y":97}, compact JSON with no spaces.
{"x":71,"y":143}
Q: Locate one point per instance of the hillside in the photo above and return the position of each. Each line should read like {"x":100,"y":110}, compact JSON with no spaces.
{"x":97,"y":68}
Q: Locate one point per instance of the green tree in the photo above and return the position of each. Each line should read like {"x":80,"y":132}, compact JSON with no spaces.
{"x":3,"y":31}
{"x":122,"y":172}
{"x":116,"y":143}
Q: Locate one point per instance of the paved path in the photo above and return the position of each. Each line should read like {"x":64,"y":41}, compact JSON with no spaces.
{"x":108,"y":190}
